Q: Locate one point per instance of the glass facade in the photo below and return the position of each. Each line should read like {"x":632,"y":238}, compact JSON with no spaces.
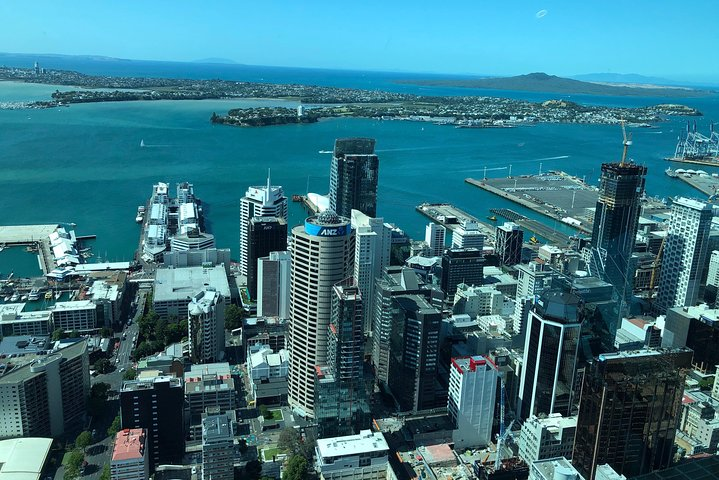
{"x":353,"y":177}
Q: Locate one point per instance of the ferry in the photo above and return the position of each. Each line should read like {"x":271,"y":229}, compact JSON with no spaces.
{"x":140,"y":214}
{"x":671,"y":172}
{"x":533,"y":240}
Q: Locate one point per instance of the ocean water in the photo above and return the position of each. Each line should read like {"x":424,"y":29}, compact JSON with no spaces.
{"x":84,"y":164}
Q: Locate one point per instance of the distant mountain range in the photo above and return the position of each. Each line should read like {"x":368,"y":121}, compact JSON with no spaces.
{"x":541,"y":82}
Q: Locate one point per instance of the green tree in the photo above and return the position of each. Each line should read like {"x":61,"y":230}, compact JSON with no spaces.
{"x":83,"y":440}
{"x":106,"y":332}
{"x":100,"y":390}
{"x":233,"y":317}
{"x":105,"y":475}
{"x":71,"y":472}
{"x":130,"y":374}
{"x":58,"y":334}
{"x":289,"y":440}
{"x":296,"y":468}
{"x":114,"y":427}
{"x":74,"y":334}
{"x":266,"y":413}
{"x":75,"y":459}
{"x":102,"y":365}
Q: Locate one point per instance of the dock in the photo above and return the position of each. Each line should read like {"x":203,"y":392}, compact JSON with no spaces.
{"x":557,"y":195}
{"x":452,"y":218}
{"x":706,"y":184}
{"x":537,"y":228}
{"x":34,"y":236}
{"x":307,"y":203}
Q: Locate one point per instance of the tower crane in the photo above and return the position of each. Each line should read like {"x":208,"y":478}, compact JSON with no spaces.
{"x":627,"y":142}
{"x":503,"y":432}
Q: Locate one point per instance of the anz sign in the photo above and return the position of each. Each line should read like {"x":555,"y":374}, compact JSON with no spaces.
{"x":329,"y":231}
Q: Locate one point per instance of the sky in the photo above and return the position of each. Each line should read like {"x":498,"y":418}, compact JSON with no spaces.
{"x":669,"y":38}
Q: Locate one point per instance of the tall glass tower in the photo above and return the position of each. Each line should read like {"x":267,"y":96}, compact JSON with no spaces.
{"x":353,"y":177}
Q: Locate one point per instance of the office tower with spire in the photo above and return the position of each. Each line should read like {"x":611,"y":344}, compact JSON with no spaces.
{"x":265,"y":235}
{"x":322,"y":255}
{"x":353,"y":177}
{"x":508,"y":244}
{"x":685,"y":254}
{"x":551,"y":348}
{"x":629,"y":411}
{"x":372,"y":250}
{"x":340,"y":397}
{"x":259,"y":201}
{"x":615,"y":228}
{"x":434,"y":237}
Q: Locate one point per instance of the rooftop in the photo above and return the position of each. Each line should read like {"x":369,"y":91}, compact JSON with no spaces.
{"x":182,"y":283}
{"x":74,"y":305}
{"x":558,"y":467}
{"x":129,"y":445}
{"x":216,"y":427}
{"x":23,"y":458}
{"x":363,"y":442}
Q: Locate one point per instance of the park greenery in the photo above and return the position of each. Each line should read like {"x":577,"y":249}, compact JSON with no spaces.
{"x":130,"y":374}
{"x":291,"y":442}
{"x":98,"y":396}
{"x":156,"y":333}
{"x":73,"y":463}
{"x":233,"y":317}
{"x":296,"y":468}
{"x":114,"y":426}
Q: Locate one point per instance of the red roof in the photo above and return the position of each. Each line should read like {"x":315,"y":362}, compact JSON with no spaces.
{"x":129,"y":445}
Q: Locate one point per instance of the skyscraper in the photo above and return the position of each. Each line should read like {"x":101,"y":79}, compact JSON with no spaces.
{"x":206,"y":326}
{"x":353,"y":177}
{"x":550,"y":355}
{"x":218,"y":454}
{"x":615,"y":227}
{"x":322,"y":255}
{"x":340,"y":399}
{"x":471,"y":400}
{"x":259,"y":201}
{"x":265,"y":235}
{"x":372,"y":249}
{"x":468,"y":235}
{"x":685,"y":254}
{"x":508,"y":244}
{"x":629,"y":411}
{"x":461,"y":265}
{"x":273,"y":285}
{"x":434,"y":237}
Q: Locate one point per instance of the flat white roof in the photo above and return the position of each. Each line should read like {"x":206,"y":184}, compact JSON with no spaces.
{"x":180,"y":283}
{"x":364,"y":442}
{"x":23,"y":458}
{"x":75,"y":305}
{"x":95,"y":267}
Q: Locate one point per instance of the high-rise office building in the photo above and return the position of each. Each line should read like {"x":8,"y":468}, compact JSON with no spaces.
{"x":434,"y":237}
{"x":547,"y":437}
{"x":533,"y":279}
{"x":471,"y":400}
{"x":615,"y":228}
{"x":340,"y":399}
{"x":273,"y":285}
{"x":414,"y":354}
{"x":206,"y":326}
{"x":259,"y":201}
{"x":508,"y":244}
{"x":218,"y":449}
{"x":322,"y":255}
{"x":685,"y":254}
{"x":550,"y":355}
{"x":468,"y":235}
{"x":156,"y":404}
{"x":353,"y":177}
{"x":265,"y":235}
{"x":630,"y":410}
{"x":461,"y":265}
{"x":372,"y":249}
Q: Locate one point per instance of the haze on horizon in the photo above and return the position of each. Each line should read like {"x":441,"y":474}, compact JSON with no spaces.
{"x":670,"y":39}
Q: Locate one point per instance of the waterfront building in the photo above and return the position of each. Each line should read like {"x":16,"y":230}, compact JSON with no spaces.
{"x":264,"y":235}
{"x":129,"y":455}
{"x":273,"y":285}
{"x":322,"y":255}
{"x":471,"y":400}
{"x":108,"y":296}
{"x":14,"y":321}
{"x":78,"y":315}
{"x":206,"y":326}
{"x":353,"y":177}
{"x":198,"y":258}
{"x":461,"y":265}
{"x":558,"y":468}
{"x":533,"y":279}
{"x":414,"y":353}
{"x":616,"y":218}
{"x":46,"y":397}
{"x":395,"y":281}
{"x":547,"y":437}
{"x":508,"y":244}
{"x":685,"y":254}
{"x":340,"y":398}
{"x":259,"y":201}
{"x":364,"y":456}
{"x":175,"y":287}
{"x":551,"y":348}
{"x":156,"y":404}
{"x":191,"y":240}
{"x":372,"y":250}
{"x":477,"y":301}
{"x":629,"y":411}
{"x":468,"y":235}
{"x":218,"y":448}
{"x":267,"y":370}
{"x":434,"y":235}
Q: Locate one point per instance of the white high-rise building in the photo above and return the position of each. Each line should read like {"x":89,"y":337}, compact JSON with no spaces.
{"x":259,"y":201}
{"x":206,"y":326}
{"x":372,"y":250}
{"x":713,"y":274}
{"x":273,"y":285}
{"x":685,"y":253}
{"x":434,"y":237}
{"x":533,"y":278}
{"x":471,"y":399}
{"x":322,"y":255}
{"x":468,"y":235}
{"x":547,"y":437}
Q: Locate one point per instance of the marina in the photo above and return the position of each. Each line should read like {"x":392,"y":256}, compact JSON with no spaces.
{"x":556,"y":194}
{"x":36,"y":237}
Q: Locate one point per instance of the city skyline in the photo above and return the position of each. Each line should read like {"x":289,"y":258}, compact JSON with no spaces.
{"x":470,"y":38}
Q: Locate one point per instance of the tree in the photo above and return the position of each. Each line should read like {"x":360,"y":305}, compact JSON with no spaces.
{"x":58,"y":334}
{"x":289,"y":440}
{"x":266,"y":413}
{"x":114,"y":427}
{"x":253,"y":469}
{"x":242,"y":445}
{"x":100,"y":390}
{"x":105,"y":475}
{"x":106,"y":332}
{"x":233,"y":317}
{"x":296,"y":468}
{"x":102,"y":365}
{"x":130,"y":374}
{"x":83,"y":440}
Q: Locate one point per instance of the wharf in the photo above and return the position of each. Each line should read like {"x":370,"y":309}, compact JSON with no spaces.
{"x":708,"y":185}
{"x":452,"y":218}
{"x":537,"y":228}
{"x":309,"y":205}
{"x":557,"y":195}
{"x":36,"y":236}
{"x":710,"y":161}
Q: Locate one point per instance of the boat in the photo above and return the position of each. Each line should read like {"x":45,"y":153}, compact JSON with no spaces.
{"x":671,"y":172}
{"x":15,"y":297}
{"x":325,"y":151}
{"x":24,"y":298}
{"x":142,"y":143}
{"x":140,"y":214}
{"x":58,"y":294}
{"x":492,"y":218}
{"x":7,"y":299}
{"x":533,"y":240}
{"x":34,"y":295}
{"x":48,"y":295}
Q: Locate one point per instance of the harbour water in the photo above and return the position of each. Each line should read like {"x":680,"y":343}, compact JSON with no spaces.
{"x":84,"y":163}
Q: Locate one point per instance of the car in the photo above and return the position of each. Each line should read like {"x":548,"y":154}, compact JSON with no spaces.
{"x":117,"y":360}
{"x":122,"y":369}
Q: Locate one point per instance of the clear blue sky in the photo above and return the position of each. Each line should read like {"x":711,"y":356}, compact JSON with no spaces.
{"x":672,"y":38}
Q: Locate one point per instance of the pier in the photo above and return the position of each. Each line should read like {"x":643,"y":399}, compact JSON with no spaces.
{"x":35,"y":236}
{"x":708,"y":185}
{"x":557,"y":195}
{"x":452,"y":218}
{"x":537,"y":228}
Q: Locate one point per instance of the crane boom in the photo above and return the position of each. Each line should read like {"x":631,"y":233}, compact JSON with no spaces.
{"x":627,"y":141}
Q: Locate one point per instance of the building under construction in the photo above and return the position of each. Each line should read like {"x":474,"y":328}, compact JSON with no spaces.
{"x":695,"y":147}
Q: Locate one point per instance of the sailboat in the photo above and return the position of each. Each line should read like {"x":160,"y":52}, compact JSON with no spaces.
{"x":142,"y":143}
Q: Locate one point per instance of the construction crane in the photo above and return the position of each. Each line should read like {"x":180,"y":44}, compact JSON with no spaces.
{"x":627,"y":142}
{"x":503,"y":432}
{"x":657,"y":263}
